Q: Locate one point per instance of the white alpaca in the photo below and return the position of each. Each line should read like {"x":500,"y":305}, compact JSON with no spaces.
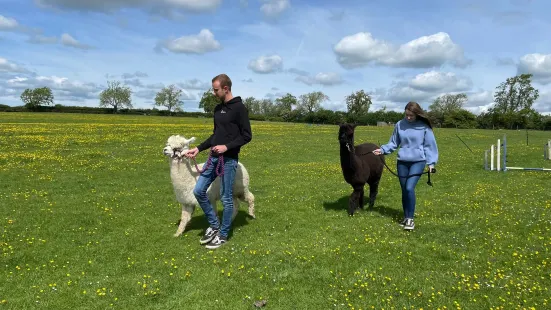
{"x":184,"y":176}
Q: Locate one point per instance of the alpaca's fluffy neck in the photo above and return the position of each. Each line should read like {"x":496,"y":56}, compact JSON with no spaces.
{"x":348,"y":159}
{"x":182,"y":175}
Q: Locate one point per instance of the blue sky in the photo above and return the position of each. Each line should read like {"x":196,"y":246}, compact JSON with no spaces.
{"x":396,"y":50}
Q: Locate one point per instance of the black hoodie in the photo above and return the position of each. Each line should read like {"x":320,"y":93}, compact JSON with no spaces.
{"x":232,"y":128}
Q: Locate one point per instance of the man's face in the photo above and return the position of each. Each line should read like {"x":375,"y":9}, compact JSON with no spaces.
{"x":218,"y":91}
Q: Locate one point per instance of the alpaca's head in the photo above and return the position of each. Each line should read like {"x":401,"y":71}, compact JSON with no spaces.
{"x":346,"y":133}
{"x":177,"y":144}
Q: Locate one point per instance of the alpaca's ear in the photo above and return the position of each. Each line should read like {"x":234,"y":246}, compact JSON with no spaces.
{"x":191,"y":140}
{"x":354,"y":125}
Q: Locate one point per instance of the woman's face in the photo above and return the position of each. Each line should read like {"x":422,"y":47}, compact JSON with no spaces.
{"x":410,"y":116}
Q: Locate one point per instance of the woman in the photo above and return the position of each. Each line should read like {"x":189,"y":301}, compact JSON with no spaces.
{"x":414,"y":136}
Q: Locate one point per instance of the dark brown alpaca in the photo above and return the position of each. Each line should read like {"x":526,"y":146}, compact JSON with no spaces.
{"x":359,"y":166}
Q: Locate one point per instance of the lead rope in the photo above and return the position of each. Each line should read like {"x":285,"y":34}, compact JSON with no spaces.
{"x":219,"y":170}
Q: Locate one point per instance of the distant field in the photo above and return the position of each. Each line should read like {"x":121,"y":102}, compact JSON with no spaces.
{"x":88,"y":212}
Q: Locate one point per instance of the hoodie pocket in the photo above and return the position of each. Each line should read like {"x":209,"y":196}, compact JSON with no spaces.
{"x":411,"y":154}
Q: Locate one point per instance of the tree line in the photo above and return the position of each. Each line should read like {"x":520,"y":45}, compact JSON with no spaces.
{"x":512,"y":109}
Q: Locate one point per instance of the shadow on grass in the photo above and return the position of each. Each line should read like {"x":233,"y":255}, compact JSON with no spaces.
{"x":342,"y":205}
{"x":199,"y":222}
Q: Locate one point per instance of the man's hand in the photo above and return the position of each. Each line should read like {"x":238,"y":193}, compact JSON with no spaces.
{"x":220,"y":149}
{"x":378,"y":152}
{"x":191,"y":153}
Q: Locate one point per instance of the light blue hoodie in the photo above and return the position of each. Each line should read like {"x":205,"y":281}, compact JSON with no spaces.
{"x":416,"y":141}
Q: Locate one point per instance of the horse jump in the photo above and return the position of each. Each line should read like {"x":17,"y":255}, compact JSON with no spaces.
{"x":501,"y":159}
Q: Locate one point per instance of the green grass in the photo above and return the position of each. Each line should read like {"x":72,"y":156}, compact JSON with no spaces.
{"x":87,"y":217}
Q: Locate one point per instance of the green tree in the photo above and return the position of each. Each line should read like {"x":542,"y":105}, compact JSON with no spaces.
{"x":208,"y":101}
{"x":515,"y":94}
{"x":266,"y":107}
{"x":358,"y":103}
{"x":460,"y":119}
{"x":445,"y":105}
{"x":252,"y":105}
{"x":311,"y":102}
{"x":116,"y":96}
{"x":284,"y":106}
{"x":33,"y":98}
{"x":513,"y":101}
{"x":169,"y":97}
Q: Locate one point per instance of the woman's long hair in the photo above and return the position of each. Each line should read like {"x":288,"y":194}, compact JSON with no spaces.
{"x":416,"y":109}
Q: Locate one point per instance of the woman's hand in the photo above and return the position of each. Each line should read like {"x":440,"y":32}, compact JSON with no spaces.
{"x":378,"y":152}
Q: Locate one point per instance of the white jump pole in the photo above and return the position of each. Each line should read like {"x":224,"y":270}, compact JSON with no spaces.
{"x":529,"y":169}
{"x":492,"y":158}
{"x":498,"y":154}
{"x":549,"y":149}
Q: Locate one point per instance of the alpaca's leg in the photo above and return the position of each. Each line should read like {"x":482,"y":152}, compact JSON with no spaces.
{"x":235,"y":208}
{"x":373,"y":190}
{"x":187,"y":211}
{"x":249,"y":198}
{"x":361,"y":199}
{"x":353,"y":201}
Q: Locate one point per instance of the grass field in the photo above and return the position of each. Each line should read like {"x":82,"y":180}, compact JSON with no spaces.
{"x":88,"y":212}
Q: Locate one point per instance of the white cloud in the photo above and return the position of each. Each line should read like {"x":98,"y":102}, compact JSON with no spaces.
{"x":480,"y":98}
{"x":8,"y":24}
{"x":194,"y":84}
{"x":201,"y":43}
{"x":440,"y":81}
{"x":543,"y":104}
{"x":274,"y":96}
{"x":361,"y":49}
{"x":137,"y":74}
{"x":402,"y":92}
{"x":7,"y":66}
{"x":479,"y":101}
{"x":148,"y":91}
{"x":134,"y":82}
{"x":65,"y":39}
{"x":110,"y":6}
{"x":426,"y":86}
{"x":335,"y":106}
{"x":537,"y":64}
{"x":274,"y":8}
{"x":155,"y":86}
{"x":266,"y":64}
{"x":62,"y":87}
{"x":322,"y":78}
{"x":68,"y":40}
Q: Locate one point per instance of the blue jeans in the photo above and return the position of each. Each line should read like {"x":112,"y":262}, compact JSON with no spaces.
{"x":226,"y":192}
{"x":408,"y":184}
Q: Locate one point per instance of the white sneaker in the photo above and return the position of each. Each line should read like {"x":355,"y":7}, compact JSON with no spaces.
{"x":409,"y":225}
{"x":217,"y":242}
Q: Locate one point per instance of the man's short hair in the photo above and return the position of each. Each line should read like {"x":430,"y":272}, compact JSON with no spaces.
{"x":223,"y":79}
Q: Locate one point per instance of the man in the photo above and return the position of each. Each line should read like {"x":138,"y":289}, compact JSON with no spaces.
{"x":232,"y":130}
